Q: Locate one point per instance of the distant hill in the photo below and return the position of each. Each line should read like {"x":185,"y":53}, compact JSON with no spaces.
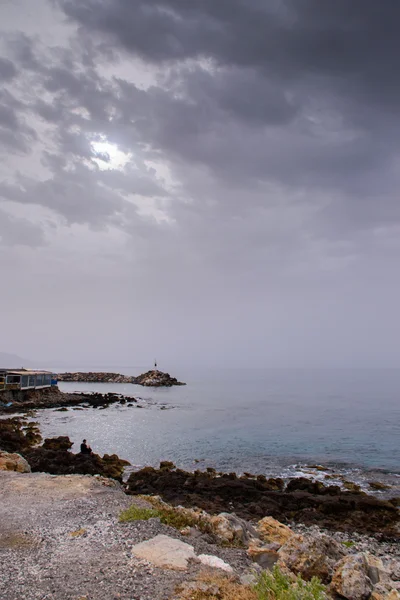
{"x":13,"y":361}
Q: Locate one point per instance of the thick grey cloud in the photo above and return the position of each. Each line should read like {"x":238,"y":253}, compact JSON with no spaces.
{"x":289,"y":39}
{"x":7,"y":69}
{"x":300,"y":91}
{"x":213,"y":171}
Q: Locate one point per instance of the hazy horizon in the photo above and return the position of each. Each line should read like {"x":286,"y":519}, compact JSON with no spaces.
{"x":208,"y":183}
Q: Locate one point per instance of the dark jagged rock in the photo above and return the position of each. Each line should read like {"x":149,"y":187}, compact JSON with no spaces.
{"x":156,"y":378}
{"x":325,"y":506}
{"x":54,"y":457}
{"x":17,"y":435}
{"x":58,"y":443}
{"x":54,"y":398}
{"x":302,"y":484}
{"x":93,"y":377}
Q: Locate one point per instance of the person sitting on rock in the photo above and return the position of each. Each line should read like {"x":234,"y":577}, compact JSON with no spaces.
{"x":85,"y":449}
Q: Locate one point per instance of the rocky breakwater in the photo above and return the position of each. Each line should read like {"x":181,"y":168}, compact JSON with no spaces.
{"x":301,"y":501}
{"x":94,"y":377}
{"x":54,"y":398}
{"x":156,"y":378}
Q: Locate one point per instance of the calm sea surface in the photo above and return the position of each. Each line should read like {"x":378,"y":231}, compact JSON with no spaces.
{"x":263,"y":421}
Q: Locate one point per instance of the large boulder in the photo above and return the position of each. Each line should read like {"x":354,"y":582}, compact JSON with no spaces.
{"x":58,"y":443}
{"x":376,"y":570}
{"x":265,"y":555}
{"x":13,"y":462}
{"x":312,"y":556}
{"x":230,"y":528}
{"x":165,"y":552}
{"x":351,"y":580}
{"x":272,"y":531}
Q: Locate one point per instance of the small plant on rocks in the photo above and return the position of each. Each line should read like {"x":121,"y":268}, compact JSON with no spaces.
{"x":136,"y":513}
{"x":276,"y":585}
{"x":167,"y":515}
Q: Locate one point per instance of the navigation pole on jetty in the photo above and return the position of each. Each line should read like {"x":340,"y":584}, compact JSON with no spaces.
{"x":155,"y":363}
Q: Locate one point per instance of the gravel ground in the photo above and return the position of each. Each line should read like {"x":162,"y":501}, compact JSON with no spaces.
{"x":60,"y":539}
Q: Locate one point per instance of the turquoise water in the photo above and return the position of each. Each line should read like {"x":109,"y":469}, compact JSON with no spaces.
{"x":268,"y":421}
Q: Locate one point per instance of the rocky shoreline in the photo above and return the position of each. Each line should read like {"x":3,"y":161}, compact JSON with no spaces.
{"x":250,"y":497}
{"x":53,"y":398}
{"x":153,"y":378}
{"x":181,"y":521}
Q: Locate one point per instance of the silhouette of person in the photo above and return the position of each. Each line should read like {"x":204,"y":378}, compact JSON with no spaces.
{"x":85,"y":449}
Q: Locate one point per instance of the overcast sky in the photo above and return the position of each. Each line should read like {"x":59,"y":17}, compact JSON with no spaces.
{"x":211,"y":182}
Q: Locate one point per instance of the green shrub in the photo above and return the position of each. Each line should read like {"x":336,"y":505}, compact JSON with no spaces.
{"x":135,"y":513}
{"x":348,"y":544}
{"x":167,"y":515}
{"x":276,"y":585}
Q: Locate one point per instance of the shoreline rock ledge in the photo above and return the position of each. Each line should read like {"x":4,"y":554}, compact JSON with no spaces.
{"x":156,"y":378}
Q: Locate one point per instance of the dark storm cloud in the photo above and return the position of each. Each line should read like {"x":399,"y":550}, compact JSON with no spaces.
{"x":293,"y":96}
{"x":298,"y":92}
{"x":7,"y":70}
{"x":291,"y":38}
{"x":15,"y":133}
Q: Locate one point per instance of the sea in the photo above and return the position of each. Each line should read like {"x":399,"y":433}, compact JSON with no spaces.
{"x":331,"y":425}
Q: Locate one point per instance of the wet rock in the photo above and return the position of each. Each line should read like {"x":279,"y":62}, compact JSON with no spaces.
{"x":312,"y":487}
{"x":13,"y":462}
{"x":156,"y":378}
{"x":57,"y":443}
{"x":378,"y":486}
{"x":17,"y":435}
{"x":311,"y":556}
{"x":270,"y":530}
{"x":352,"y":487}
{"x":351,"y":580}
{"x":168,"y":465}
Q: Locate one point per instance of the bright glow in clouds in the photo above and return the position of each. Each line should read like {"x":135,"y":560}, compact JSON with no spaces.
{"x":109,"y":156}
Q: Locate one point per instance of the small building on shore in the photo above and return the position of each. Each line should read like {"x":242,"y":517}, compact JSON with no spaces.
{"x":26,"y":379}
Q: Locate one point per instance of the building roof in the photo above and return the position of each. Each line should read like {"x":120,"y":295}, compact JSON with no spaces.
{"x":25,"y":372}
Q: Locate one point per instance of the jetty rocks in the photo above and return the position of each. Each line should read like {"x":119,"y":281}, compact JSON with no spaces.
{"x":156,"y":378}
{"x":152,"y":378}
{"x":94,"y":377}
